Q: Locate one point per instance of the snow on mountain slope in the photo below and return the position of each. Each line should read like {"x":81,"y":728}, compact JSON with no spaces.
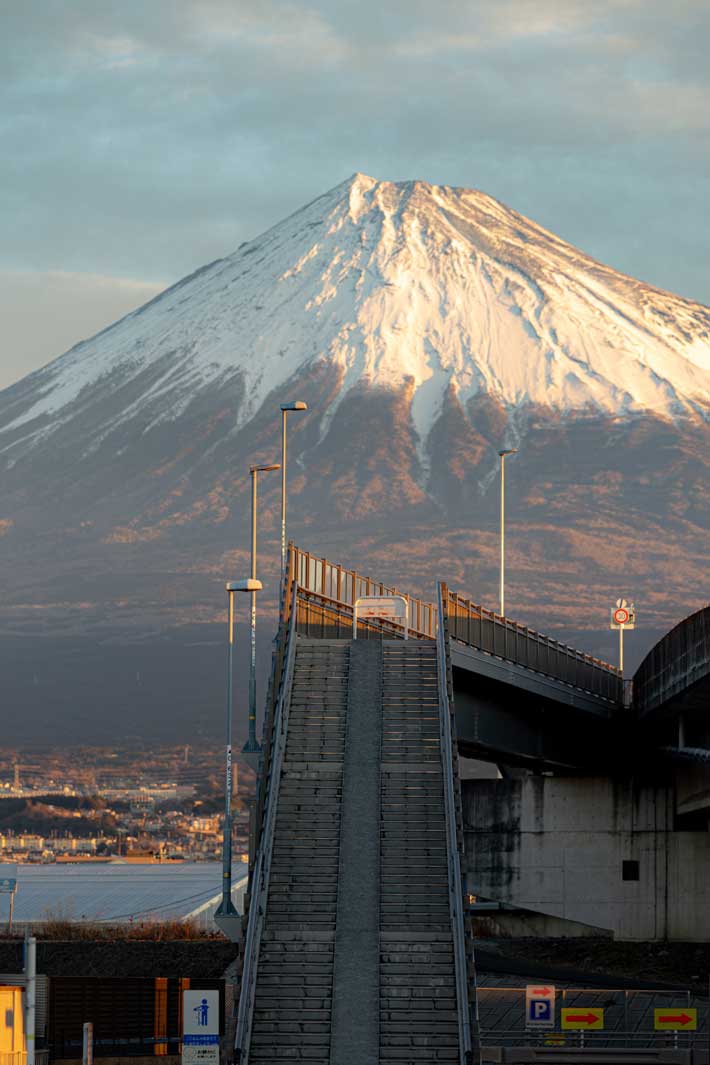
{"x":392,"y":284}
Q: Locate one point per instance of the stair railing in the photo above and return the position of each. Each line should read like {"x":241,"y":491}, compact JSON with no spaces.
{"x":469,"y":1042}
{"x":262,"y":864}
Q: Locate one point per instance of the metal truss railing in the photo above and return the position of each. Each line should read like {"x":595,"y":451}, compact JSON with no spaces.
{"x":472,"y":624}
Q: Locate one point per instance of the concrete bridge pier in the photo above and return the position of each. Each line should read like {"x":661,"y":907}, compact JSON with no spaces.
{"x":587,"y":855}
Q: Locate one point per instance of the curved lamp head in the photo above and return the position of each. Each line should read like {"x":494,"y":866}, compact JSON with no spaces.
{"x":264,"y":468}
{"x":297,"y":405}
{"x":508,"y":451}
{"x":248,"y":585}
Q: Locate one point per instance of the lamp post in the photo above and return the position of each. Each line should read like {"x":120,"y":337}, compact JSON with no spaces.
{"x":502,"y":454}
{"x":251,"y":746}
{"x":298,"y":405}
{"x":226,"y":916}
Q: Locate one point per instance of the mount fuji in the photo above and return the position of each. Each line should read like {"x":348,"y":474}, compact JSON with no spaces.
{"x":426,"y":327}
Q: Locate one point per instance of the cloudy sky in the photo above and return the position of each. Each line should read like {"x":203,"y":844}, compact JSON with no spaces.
{"x":144,"y":138}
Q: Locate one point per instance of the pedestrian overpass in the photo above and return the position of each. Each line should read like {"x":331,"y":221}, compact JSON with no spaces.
{"x":356,"y":944}
{"x":520,"y":696}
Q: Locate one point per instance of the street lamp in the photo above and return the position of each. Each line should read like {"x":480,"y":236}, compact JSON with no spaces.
{"x":502,"y":454}
{"x":251,"y":746}
{"x":285,"y":408}
{"x":226,"y":916}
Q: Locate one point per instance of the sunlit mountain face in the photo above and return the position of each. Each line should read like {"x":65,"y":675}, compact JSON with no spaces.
{"x":426,"y":327}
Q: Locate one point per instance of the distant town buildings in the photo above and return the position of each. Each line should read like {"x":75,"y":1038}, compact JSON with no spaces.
{"x":98,"y":805}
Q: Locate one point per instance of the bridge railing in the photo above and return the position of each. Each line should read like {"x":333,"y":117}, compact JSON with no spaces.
{"x":268,"y":796}
{"x":489,"y":632}
{"x":327,"y":593}
{"x":469,"y":1036}
{"x":679,"y":659}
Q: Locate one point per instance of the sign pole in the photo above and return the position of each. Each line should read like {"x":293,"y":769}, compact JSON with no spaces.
{"x":31,"y":997}
{"x":623,"y":616}
{"x":621,"y":649}
{"x":87,"y":1044}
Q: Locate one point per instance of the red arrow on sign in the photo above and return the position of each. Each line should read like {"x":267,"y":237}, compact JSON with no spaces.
{"x":678,"y":1018}
{"x":584,"y":1018}
{"x":541,"y":991}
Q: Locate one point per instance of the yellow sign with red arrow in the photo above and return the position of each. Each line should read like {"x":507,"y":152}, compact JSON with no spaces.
{"x":582,"y":1018}
{"x":676,"y":1020}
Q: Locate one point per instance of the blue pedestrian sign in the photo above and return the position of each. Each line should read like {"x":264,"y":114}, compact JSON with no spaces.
{"x":200,"y":1027}
{"x":539,"y":1006}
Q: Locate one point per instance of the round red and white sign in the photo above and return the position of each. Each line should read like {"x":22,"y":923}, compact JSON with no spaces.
{"x":621,"y":615}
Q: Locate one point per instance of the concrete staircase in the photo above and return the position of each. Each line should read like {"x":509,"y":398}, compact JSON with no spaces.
{"x":356,"y":959}
{"x":294,"y":986}
{"x":418,"y":1009}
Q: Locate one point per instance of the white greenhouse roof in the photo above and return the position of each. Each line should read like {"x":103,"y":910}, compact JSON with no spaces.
{"x":119,"y":891}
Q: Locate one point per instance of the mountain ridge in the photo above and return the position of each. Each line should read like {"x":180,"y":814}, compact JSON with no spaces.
{"x":446,"y":287}
{"x":124,"y":485}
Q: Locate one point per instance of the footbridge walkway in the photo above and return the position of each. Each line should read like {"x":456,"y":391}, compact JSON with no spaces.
{"x":356,"y":944}
{"x":356,"y":950}
{"x":519,"y":695}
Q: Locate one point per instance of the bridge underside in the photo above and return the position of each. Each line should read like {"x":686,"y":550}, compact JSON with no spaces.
{"x":516,"y":726}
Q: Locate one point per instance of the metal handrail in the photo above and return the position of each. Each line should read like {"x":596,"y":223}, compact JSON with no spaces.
{"x":333,"y":581}
{"x":527,"y":647}
{"x":262,"y":865}
{"x":388,"y":626}
{"x":452,"y":849}
{"x":509,"y":639}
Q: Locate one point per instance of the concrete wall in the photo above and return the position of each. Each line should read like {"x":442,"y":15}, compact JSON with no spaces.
{"x":556,"y":845}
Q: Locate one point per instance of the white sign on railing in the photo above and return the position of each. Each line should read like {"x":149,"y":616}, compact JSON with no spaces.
{"x":393,"y":607}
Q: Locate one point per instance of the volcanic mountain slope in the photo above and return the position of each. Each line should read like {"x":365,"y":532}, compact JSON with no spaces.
{"x":426,"y":327}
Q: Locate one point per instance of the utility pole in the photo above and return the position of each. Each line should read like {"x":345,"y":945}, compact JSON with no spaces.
{"x":251,"y":746}
{"x":298,"y":405}
{"x":502,"y":454}
{"x":226,"y":916}
{"x":30,"y":1002}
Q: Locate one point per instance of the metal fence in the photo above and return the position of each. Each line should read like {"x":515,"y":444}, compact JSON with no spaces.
{"x":628,"y":1019}
{"x":679,"y":659}
{"x":330,"y":591}
{"x":495,"y":635}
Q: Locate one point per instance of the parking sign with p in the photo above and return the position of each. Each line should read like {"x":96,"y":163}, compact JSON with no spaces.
{"x":539,"y":1006}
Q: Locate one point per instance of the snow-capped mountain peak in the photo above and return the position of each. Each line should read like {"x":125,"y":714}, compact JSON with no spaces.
{"x":398,"y":285}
